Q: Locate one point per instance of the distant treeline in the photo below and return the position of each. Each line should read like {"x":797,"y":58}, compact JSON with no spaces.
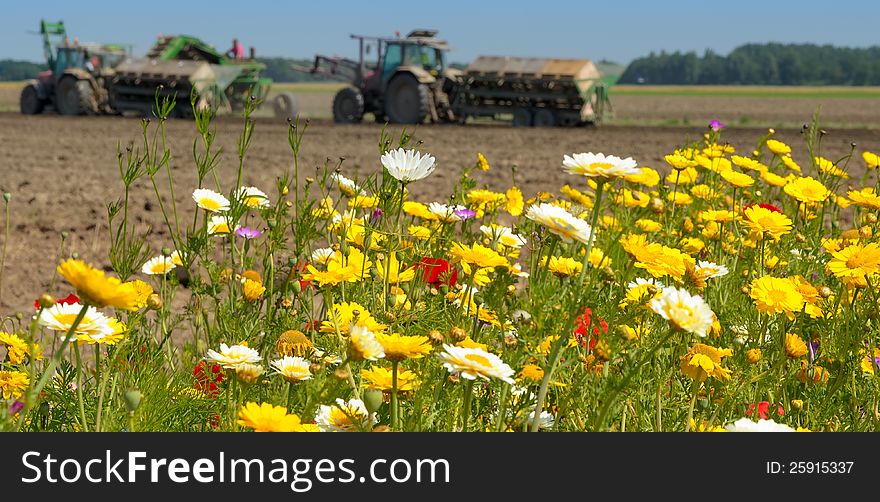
{"x":760,"y":64}
{"x":19,"y":70}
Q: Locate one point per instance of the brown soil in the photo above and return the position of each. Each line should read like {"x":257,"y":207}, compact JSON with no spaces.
{"x":62,"y":172}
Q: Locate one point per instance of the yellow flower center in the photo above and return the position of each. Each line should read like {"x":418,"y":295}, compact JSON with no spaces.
{"x":601,"y":166}
{"x":209,"y":204}
{"x":482,"y":361}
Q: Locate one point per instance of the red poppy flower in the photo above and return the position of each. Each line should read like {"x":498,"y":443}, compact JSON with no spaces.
{"x":765,"y":205}
{"x":297,"y":272}
{"x":214,"y":421}
{"x":71,"y":298}
{"x":583,"y":324}
{"x":437,"y":271}
{"x":311,"y":326}
{"x":764,"y":410}
{"x":207,"y":377}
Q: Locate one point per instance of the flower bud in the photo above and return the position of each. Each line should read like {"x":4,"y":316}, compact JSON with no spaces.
{"x":7,"y":196}
{"x":154,"y":302}
{"x":315,"y":367}
{"x":46,"y":301}
{"x":132,"y":400}
{"x":753,"y":356}
{"x":248,"y":374}
{"x":382,"y":428}
{"x":457,"y":334}
{"x":657,"y":205}
{"x":166,"y":252}
{"x":870,"y":218}
{"x":372,"y":400}
{"x":510,"y":341}
{"x":285,"y":191}
{"x":825,"y":292}
{"x":436,"y":337}
{"x":342,"y":374}
{"x":797,"y":404}
{"x":865,"y":232}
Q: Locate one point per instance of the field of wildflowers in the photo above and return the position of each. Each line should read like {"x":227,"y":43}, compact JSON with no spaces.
{"x":725,"y":291}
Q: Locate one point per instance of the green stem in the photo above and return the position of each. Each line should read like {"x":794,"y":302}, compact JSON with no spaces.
{"x":5,"y":243}
{"x":79,"y":391}
{"x":694,"y":389}
{"x":466,"y":408}
{"x":595,"y":221}
{"x":394,"y":404}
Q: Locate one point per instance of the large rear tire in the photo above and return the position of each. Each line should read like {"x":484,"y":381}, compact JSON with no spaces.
{"x":75,"y":97}
{"x":348,"y":106}
{"x":30,"y":102}
{"x":407,"y":101}
{"x":284,"y":105}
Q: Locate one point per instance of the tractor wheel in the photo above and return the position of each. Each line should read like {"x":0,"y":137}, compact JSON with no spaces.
{"x":285,"y":106}
{"x":522,"y":117}
{"x":544,"y":118}
{"x":348,"y":106}
{"x":407,"y":101}
{"x":75,"y":97}
{"x":30,"y":102}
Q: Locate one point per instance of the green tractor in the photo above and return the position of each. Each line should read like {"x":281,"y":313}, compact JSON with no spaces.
{"x":406,"y":80}
{"x":402,"y":80}
{"x":76,"y":80}
{"x":89,"y":79}
{"x":245,"y":74}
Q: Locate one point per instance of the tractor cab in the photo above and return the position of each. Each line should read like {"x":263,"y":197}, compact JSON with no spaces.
{"x":92,"y":58}
{"x":399,"y":79}
{"x":414,"y":51}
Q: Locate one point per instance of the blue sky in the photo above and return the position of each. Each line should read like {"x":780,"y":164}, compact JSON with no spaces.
{"x":619,"y":30}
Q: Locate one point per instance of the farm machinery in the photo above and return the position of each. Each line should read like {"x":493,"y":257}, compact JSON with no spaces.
{"x":406,"y":80}
{"x":89,"y":79}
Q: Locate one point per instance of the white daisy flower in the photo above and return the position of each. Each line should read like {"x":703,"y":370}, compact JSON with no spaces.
{"x":560,"y":222}
{"x":748,"y":425}
{"x":322,"y":255}
{"x":408,"y":165}
{"x":473,"y":363}
{"x":328,"y":359}
{"x":210,"y":200}
{"x":599,"y":165}
{"x":446,"y":213}
{"x":517,"y":270}
{"x":159,"y":265}
{"x":218,"y":225}
{"x":685,"y":312}
{"x":364,"y":344}
{"x":503,"y":235}
{"x":292,"y":369}
{"x":545,"y":419}
{"x":344,"y":416}
{"x":252,"y":197}
{"x":709,"y":270}
{"x":347,"y":186}
{"x":232,"y":357}
{"x":60,"y":317}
